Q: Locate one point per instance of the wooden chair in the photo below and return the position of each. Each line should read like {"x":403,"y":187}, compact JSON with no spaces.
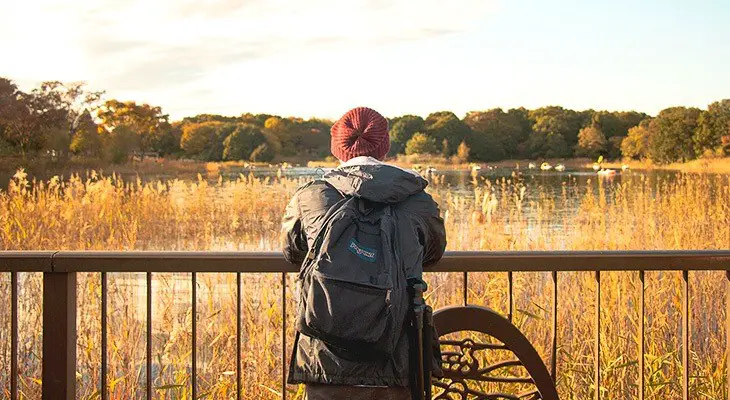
{"x":465,"y":378}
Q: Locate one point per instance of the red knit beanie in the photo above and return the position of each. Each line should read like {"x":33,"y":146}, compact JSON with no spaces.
{"x":360,"y":132}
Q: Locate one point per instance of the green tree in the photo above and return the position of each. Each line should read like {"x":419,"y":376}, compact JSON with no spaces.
{"x":558,"y":121}
{"x":402,"y":130}
{"x":120,"y":143}
{"x":616,"y":123}
{"x":713,"y":125}
{"x":486,"y":146}
{"x":556,"y":146}
{"x":242,"y":142}
{"x":509,"y":128}
{"x":636,"y":144}
{"x":591,"y":143}
{"x":535,"y":146}
{"x":446,"y":125}
{"x":673,"y":139}
{"x":613,"y":150}
{"x":421,"y":144}
{"x":550,"y":145}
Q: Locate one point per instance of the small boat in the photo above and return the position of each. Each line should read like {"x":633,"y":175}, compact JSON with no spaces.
{"x":560,"y":167}
{"x":624,"y":167}
{"x":546,"y":167}
{"x":596,"y":166}
{"x":430,"y":170}
{"x":531,"y":165}
{"x":607,"y":172}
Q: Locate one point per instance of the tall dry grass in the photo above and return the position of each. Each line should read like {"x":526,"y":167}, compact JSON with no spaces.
{"x":104,"y":212}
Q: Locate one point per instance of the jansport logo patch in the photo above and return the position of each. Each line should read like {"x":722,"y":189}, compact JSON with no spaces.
{"x":365,"y":253}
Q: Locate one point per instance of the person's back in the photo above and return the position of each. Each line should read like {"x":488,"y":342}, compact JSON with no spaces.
{"x":360,"y":140}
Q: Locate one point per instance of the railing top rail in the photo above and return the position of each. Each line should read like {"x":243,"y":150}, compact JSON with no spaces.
{"x":456,"y":261}
{"x":30,"y":261}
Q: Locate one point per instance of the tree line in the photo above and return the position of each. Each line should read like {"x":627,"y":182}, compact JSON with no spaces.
{"x":67,"y":119}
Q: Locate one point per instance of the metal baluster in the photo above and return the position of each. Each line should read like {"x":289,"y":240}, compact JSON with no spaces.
{"x":554,"y":360}
{"x":149,"y":336}
{"x":597,"y":349}
{"x":14,"y":335}
{"x":104,"y":336}
{"x":685,"y":335}
{"x":238,"y":335}
{"x":283,"y":335}
{"x":465,"y":281}
{"x":194,"y":352}
{"x":510,"y":297}
{"x":641,"y":335}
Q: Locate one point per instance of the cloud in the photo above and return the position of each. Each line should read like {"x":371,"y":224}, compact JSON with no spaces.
{"x":141,"y":46}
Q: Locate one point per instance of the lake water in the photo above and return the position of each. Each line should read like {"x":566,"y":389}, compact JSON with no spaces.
{"x":566,"y":187}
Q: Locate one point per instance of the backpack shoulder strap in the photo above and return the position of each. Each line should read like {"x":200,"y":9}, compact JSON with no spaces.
{"x":326,"y":219}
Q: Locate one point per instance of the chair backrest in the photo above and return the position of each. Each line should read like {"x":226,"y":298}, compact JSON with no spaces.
{"x":473,"y":370}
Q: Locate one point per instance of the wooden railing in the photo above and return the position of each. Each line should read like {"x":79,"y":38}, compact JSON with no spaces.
{"x":59,"y":297}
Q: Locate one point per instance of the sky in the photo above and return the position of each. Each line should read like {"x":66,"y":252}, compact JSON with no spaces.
{"x":319,"y":58}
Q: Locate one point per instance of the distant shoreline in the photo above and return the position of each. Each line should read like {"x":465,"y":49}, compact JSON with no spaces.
{"x":44,"y":168}
{"x":706,"y":165}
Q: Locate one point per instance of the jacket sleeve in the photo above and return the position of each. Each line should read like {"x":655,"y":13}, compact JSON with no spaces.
{"x":429,"y":226}
{"x":294,"y":241}
{"x":434,"y":233}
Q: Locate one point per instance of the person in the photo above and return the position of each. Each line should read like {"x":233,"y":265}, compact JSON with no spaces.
{"x":360,"y":141}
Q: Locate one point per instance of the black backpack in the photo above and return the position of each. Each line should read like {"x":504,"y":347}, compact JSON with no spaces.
{"x":352,"y":284}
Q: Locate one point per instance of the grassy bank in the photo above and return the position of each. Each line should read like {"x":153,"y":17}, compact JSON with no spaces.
{"x":99,"y":212}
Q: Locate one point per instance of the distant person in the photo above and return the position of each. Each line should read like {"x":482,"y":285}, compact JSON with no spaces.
{"x":360,"y":234}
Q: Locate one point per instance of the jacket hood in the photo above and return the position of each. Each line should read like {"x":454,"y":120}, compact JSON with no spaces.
{"x":379,"y":182}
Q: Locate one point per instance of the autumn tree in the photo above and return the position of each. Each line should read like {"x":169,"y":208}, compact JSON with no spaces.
{"x":198,"y":139}
{"x":86,"y":139}
{"x":148,"y":122}
{"x":26,"y":118}
{"x":421,"y":144}
{"x":636,"y":144}
{"x":591,"y":142}
{"x":462,"y":153}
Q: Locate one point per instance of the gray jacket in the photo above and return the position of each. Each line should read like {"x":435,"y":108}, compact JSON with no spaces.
{"x":423,"y":240}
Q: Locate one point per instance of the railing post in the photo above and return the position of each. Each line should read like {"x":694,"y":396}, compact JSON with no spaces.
{"x":59,"y":336}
